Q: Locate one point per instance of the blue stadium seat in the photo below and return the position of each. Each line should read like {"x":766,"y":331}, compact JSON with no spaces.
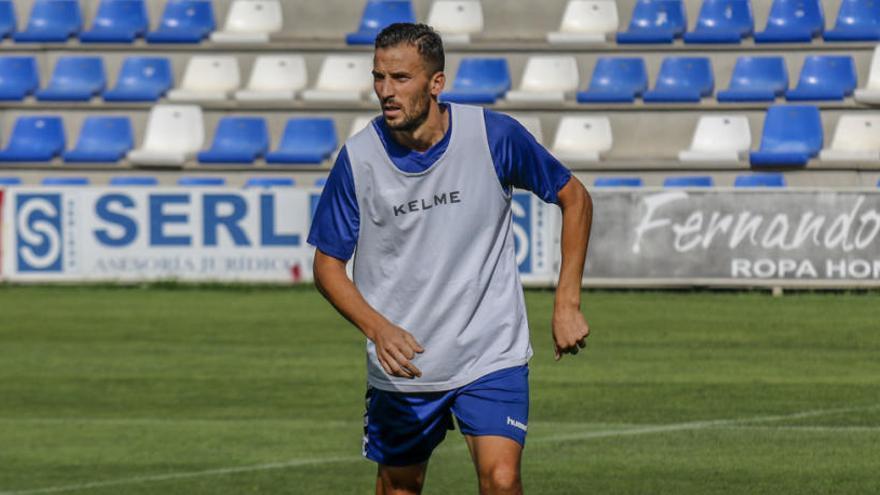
{"x":19,"y":77}
{"x":142,"y":79}
{"x":722,"y":21}
{"x":756,"y":79}
{"x":479,"y":80}
{"x":321,"y":181}
{"x":184,"y":21}
{"x":201,"y":181}
{"x":102,"y":139}
{"x":8,"y":20}
{"x":682,"y":79}
{"x":134,"y":180}
{"x":75,"y":78}
{"x":118,"y":21}
{"x":760,"y":179}
{"x":238,"y":140}
{"x":878,"y":182}
{"x":7,"y":181}
{"x":377,"y":15}
{"x":35,"y":138}
{"x":270,"y":182}
{"x":616,"y":80}
{"x":825,"y":77}
{"x":51,"y":20}
{"x":793,"y":21}
{"x":689,"y":181}
{"x":305,"y":140}
{"x":655,"y":21}
{"x":618,"y":182}
{"x":65,"y":180}
{"x":792,"y":135}
{"x":857,"y":20}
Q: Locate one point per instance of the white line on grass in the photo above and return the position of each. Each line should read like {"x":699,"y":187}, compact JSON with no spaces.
{"x":693,"y":425}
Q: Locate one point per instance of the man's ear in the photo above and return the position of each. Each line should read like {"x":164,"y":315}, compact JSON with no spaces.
{"x":438,"y":82}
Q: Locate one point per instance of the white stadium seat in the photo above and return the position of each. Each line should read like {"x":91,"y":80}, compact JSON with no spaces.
{"x":870,"y":94}
{"x":586,"y":21}
{"x":360,"y":122}
{"x":532,"y":124}
{"x":456,"y":20}
{"x":856,"y":138}
{"x":174,"y":134}
{"x":719,"y":138}
{"x":250,"y":21}
{"x":547,"y":78}
{"x":582,"y":138}
{"x":275,"y":77}
{"x":208,"y":78}
{"x":342,"y":78}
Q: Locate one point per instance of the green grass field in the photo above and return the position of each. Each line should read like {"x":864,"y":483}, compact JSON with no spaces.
{"x":236,"y":391}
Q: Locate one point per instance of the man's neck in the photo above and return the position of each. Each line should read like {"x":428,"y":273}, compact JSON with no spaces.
{"x":429,"y":133}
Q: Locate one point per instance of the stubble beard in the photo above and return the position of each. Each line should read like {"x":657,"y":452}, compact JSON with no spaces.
{"x":413,"y":121}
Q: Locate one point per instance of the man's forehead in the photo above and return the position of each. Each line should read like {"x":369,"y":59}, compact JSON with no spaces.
{"x":398,"y":57}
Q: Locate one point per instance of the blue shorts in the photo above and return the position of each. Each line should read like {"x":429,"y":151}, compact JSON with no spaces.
{"x":401,"y":429}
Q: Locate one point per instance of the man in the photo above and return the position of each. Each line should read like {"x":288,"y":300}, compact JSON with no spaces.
{"x":424,"y":195}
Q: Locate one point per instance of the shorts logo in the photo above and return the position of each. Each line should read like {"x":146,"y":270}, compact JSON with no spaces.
{"x":38,"y":228}
{"x":516,"y":424}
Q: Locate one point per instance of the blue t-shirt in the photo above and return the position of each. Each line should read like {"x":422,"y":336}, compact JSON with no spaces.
{"x":520,"y":161}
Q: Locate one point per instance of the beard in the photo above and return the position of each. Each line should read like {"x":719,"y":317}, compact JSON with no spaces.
{"x":416,"y":117}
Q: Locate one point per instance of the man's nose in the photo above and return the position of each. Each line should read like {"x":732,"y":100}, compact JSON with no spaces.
{"x":384,"y":89}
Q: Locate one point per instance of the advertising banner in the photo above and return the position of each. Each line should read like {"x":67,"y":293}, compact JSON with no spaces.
{"x":536,"y":237}
{"x":736,"y":235}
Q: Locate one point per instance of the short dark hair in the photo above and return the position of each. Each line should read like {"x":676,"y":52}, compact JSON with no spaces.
{"x":422,"y":36}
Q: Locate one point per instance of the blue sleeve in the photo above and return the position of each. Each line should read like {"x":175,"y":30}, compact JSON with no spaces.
{"x":336,"y":222}
{"x":521,"y":161}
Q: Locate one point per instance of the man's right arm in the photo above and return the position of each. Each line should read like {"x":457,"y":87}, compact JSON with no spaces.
{"x":395,"y":347}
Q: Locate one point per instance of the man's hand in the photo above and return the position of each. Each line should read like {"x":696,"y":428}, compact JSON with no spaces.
{"x":570,"y":331}
{"x":395,"y":348}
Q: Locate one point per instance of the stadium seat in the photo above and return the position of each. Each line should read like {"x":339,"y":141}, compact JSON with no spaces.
{"x":616,"y":80}
{"x":856,"y":139}
{"x":586,"y":21}
{"x":142,"y":79}
{"x":792,"y":135}
{"x":857,"y":20}
{"x":238,"y":140}
{"x":184,"y":21}
{"x":547,"y":78}
{"x":6,"y":181}
{"x":250,"y":21}
{"x":208,"y":78}
{"x":618,"y":182}
{"x":65,"y":180}
{"x":102,"y":139}
{"x":756,"y":79}
{"x":870,"y":94}
{"x":19,"y":77}
{"x":532,"y":124}
{"x":479,"y":80}
{"x":75,"y":78}
{"x":583,"y":139}
{"x":8,"y":20}
{"x":275,"y":78}
{"x":761,"y":179}
{"x":198,"y":181}
{"x":321,"y":181}
{"x":305,"y":140}
{"x":793,"y":21}
{"x":133,"y":180}
{"x":689,"y":181}
{"x":35,"y":138}
{"x":360,"y":122}
{"x":377,"y":15}
{"x":174,"y":133}
{"x":118,"y":21}
{"x":719,"y":138}
{"x":456,"y":20}
{"x":682,"y":79}
{"x":51,"y":21}
{"x":268,"y":182}
{"x":825,"y":77}
{"x":655,"y":21}
{"x":722,"y":21}
{"x":342,"y":78}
